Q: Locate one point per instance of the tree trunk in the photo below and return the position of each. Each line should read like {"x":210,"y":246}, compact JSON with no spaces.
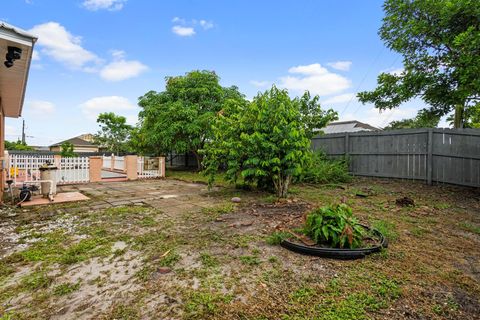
{"x":459,"y":116}
{"x":199,"y":159}
{"x":281,"y":186}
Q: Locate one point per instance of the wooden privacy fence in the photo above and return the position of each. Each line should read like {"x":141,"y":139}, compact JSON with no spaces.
{"x":433,"y":155}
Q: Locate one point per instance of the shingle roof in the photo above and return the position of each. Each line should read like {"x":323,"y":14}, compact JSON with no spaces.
{"x":77,"y":142}
{"x":348,"y":126}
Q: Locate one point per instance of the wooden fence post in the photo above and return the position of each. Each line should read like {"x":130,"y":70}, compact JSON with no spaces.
{"x":430,"y":157}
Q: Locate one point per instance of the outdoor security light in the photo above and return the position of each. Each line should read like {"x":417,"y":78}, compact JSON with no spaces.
{"x":13,"y":54}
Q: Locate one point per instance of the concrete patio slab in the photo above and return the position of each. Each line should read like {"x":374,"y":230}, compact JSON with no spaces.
{"x":59,"y":198}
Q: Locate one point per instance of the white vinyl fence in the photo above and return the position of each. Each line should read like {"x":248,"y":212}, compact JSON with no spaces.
{"x":107,"y":162}
{"x":119,"y":163}
{"x":148,"y":168}
{"x":25,"y":167}
{"x":73,"y":170}
{"x":22,"y":168}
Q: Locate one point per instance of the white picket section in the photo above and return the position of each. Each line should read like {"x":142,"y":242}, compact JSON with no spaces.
{"x":107,"y":162}
{"x":73,"y":170}
{"x":26,"y":168}
{"x":144,"y":173}
{"x":119,"y":163}
{"x":22,"y":167}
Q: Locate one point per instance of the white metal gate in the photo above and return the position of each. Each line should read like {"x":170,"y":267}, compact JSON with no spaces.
{"x":73,"y":170}
{"x":146,"y":168}
{"x":22,"y":167}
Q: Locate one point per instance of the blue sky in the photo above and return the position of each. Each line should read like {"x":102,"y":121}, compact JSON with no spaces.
{"x":101,"y":55}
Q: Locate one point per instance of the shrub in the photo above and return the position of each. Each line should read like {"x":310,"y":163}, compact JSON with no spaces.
{"x":335,"y":226}
{"x":264,"y":142}
{"x":320,"y":169}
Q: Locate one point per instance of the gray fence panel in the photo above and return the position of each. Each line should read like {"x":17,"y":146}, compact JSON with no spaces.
{"x":441,"y":155}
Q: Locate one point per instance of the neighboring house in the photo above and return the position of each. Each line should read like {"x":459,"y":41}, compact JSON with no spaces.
{"x":79,"y":145}
{"x":16,"y":48}
{"x":87,"y":137}
{"x":348,"y":126}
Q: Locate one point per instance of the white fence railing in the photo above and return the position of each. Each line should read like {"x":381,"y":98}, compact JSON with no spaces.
{"x":22,"y":168}
{"x":119,"y":163}
{"x":107,"y":162}
{"x":73,"y":170}
{"x":146,"y":170}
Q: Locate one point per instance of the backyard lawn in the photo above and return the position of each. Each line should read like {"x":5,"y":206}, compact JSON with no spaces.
{"x":171,"y":249}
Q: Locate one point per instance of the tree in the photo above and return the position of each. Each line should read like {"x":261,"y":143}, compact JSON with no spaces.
{"x":10,"y":145}
{"x":264,"y":142}
{"x":424,"y":119}
{"x":179,"y":119}
{"x":440,"y":44}
{"x":471,"y":116}
{"x":312,"y":115}
{"x":67,"y":150}
{"x":114,"y":132}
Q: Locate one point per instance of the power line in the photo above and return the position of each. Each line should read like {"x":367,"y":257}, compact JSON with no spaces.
{"x":363,"y":79}
{"x":391,"y":65}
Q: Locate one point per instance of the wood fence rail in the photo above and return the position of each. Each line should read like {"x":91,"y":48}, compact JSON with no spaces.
{"x":433,"y":155}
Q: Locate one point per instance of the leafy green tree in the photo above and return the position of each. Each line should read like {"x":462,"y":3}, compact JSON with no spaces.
{"x":264,"y":142}
{"x":67,"y":150}
{"x":424,"y":119}
{"x":18,"y":145}
{"x":179,"y":119}
{"x":440,"y":44}
{"x":312,"y":115}
{"x":114,"y":132}
{"x":471,"y":116}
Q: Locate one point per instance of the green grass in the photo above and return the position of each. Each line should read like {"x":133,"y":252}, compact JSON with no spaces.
{"x":35,"y":280}
{"x":470,"y":227}
{"x":208,"y":261}
{"x":204,"y":304}
{"x":250,"y":260}
{"x":66,"y":288}
{"x":216,"y":211}
{"x":387,"y":228}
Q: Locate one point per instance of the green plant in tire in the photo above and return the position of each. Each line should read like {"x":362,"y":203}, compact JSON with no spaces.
{"x":334,"y":225}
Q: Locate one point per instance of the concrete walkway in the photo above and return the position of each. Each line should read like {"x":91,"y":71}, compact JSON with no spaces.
{"x":168,"y":195}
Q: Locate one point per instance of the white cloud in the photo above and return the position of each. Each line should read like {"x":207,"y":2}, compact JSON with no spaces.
{"x":340,"y":65}
{"x":374,"y":117}
{"x":206,"y":24}
{"x":316,"y":79}
{"x":93,"y":107}
{"x":183,"y":31}
{"x":56,"y":42}
{"x":111,"y":5}
{"x":342,"y":98}
{"x":311,"y":69}
{"x":40,"y":107}
{"x":121,"y":69}
{"x":186,"y":28}
{"x":179,"y":20}
{"x":259,"y":84}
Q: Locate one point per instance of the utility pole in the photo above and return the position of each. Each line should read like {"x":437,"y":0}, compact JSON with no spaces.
{"x":23,"y":132}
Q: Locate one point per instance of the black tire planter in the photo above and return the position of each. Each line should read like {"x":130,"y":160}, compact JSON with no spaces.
{"x":336,"y":253}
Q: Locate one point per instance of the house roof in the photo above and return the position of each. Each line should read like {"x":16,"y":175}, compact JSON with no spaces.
{"x":348,"y":126}
{"x":77,"y":142}
{"x":13,"y":81}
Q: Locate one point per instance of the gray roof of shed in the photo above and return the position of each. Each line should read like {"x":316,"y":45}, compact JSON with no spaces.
{"x":348,"y":126}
